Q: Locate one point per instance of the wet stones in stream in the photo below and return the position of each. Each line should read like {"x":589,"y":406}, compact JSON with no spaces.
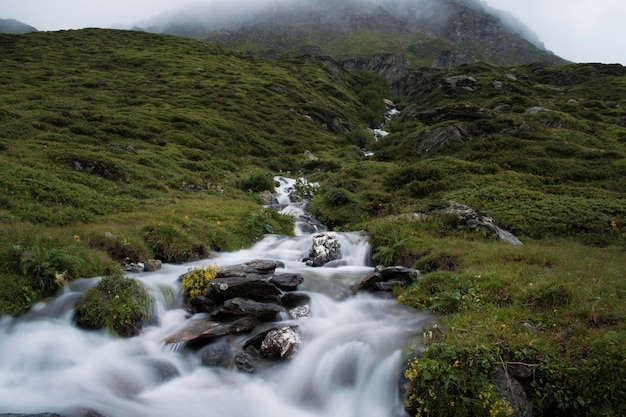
{"x":238,"y":300}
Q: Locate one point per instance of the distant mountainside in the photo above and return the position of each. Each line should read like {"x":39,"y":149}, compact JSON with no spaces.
{"x":15,"y":26}
{"x":384,"y":36}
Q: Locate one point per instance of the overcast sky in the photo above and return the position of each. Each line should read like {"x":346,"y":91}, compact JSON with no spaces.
{"x":577,"y":30}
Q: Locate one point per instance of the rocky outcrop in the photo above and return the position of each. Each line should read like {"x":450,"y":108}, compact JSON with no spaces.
{"x":472,"y":219}
{"x":432,"y":141}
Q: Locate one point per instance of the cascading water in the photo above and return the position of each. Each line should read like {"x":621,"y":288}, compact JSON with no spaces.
{"x":348,"y":365}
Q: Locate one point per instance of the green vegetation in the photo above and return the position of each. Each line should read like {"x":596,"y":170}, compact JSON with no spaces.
{"x":117,"y":303}
{"x":118,"y":145}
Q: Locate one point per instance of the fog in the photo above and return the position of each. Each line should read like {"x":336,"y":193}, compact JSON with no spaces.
{"x":577,"y":30}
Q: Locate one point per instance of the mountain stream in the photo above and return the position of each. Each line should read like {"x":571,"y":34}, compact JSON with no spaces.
{"x":348,"y":365}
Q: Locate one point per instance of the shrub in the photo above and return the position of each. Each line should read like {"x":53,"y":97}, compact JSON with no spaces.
{"x":196,"y":281}
{"x":117,"y":303}
{"x":337,"y":197}
{"x":257,"y":183}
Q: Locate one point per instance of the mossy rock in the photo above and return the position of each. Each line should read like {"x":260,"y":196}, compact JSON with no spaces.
{"x":117,"y":303}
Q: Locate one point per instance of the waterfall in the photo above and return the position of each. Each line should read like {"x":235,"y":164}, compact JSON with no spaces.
{"x":349,"y":363}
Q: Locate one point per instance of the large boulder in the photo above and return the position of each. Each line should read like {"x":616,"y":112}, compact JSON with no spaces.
{"x":325,"y":248}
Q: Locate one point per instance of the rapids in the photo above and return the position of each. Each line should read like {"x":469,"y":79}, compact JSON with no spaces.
{"x":349,"y":364}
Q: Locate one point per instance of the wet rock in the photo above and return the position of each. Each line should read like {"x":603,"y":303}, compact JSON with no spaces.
{"x":152,"y":265}
{"x":245,"y":307}
{"x":163,"y":370}
{"x":206,"y":329}
{"x":253,"y":287}
{"x":219,"y":355}
{"x":132,"y":267}
{"x":256,"y":266}
{"x":245,"y":362}
{"x":325,"y":248}
{"x":287,"y":282}
{"x":292,"y":300}
{"x":301,"y":312}
{"x":280,"y":343}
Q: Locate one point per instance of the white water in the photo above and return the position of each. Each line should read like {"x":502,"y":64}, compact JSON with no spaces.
{"x":349,"y":363}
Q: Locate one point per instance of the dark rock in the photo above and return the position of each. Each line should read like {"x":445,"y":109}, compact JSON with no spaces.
{"x":512,"y":391}
{"x":245,"y":362}
{"x":133,"y":267}
{"x":244,"y":307}
{"x":292,"y":300}
{"x":325,"y":248}
{"x":219,"y":355}
{"x":205,"y":329}
{"x":384,"y":279}
{"x":163,"y":371}
{"x":287,"y":282}
{"x":254,"y":287}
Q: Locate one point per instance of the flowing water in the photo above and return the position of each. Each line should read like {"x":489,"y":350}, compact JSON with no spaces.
{"x":349,"y":363}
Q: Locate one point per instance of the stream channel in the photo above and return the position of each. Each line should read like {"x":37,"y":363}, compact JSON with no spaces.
{"x":348,"y":365}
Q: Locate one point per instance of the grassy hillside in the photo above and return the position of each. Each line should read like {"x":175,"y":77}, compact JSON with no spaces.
{"x":119,"y":145}
{"x":145,"y":138}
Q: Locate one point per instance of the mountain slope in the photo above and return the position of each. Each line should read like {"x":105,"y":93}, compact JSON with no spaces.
{"x":15,"y":26}
{"x":432,"y":33}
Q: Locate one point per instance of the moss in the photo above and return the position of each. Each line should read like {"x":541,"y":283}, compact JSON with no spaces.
{"x":117,"y":303}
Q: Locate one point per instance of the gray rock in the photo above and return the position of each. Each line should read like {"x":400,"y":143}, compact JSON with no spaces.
{"x":280,"y":343}
{"x":287,"y":282}
{"x":325,"y":248}
{"x":432,"y":141}
{"x":457,"y":81}
{"x":152,"y":265}
{"x":254,"y":287}
{"x":245,"y":362}
{"x":301,"y":312}
{"x":219,"y":355}
{"x":511,"y":390}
